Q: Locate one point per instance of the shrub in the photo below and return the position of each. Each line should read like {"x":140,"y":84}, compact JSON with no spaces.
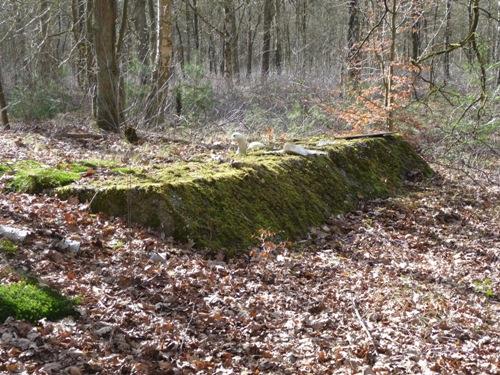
{"x":40,"y":101}
{"x":196,"y":92}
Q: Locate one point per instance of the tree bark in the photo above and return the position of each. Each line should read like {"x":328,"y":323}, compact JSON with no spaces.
{"x":389,"y":81}
{"x":78,"y":15}
{"x":498,"y":42}
{"x":109,"y":116}
{"x":163,"y":70}
{"x":3,"y":105}
{"x":230,"y":48}
{"x":141,"y":27}
{"x":196,"y":26}
{"x":278,"y":53}
{"x":447,"y":34}
{"x":45,"y":68}
{"x":266,"y":37}
{"x":230,"y":43}
{"x":352,"y":40}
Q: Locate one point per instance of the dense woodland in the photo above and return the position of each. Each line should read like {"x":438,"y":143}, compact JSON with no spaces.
{"x":116,"y":123}
{"x":338,"y":65}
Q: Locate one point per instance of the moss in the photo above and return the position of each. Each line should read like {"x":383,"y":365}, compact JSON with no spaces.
{"x":32,"y":302}
{"x":100,"y":163}
{"x":128,"y":170}
{"x":225,"y":206}
{"x":38,"y":179}
{"x":8,"y":247}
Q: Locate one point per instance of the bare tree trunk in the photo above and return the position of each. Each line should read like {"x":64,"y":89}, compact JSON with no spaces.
{"x":141,"y":28}
{"x":45,"y":68}
{"x":212,"y":61}
{"x":498,"y":42}
{"x":187,"y":45}
{"x":447,"y":34}
{"x":278,"y":54}
{"x":78,"y":15}
{"x":163,"y":70}
{"x":266,"y":37}
{"x":352,"y":41}
{"x":90,"y":56}
{"x":230,"y":47}
{"x":153,"y":19}
{"x":109,"y":116}
{"x":3,"y":105}
{"x":180,"y":48}
{"x":388,"y":97}
{"x":196,"y":27}
{"x":249,"y":51}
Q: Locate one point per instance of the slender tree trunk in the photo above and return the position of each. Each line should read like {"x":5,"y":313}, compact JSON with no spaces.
{"x":249,"y":51}
{"x":278,"y":54}
{"x":212,"y":60}
{"x":109,"y":116}
{"x":352,"y":41}
{"x":498,"y":42}
{"x":3,"y":105}
{"x":415,"y":39}
{"x":141,"y":27}
{"x":187,"y":45}
{"x":180,"y":47}
{"x":153,"y":19}
{"x":163,"y":70}
{"x":266,"y":37}
{"x":251,"y":35}
{"x":230,"y":42}
{"x":119,"y":52}
{"x":447,"y":34}
{"x":388,"y":97}
{"x":45,"y":67}
{"x":78,"y":15}
{"x":90,"y":59}
{"x":196,"y":26}
{"x":234,"y":41}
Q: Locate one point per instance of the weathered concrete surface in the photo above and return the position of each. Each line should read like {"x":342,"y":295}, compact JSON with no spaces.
{"x":223,"y":206}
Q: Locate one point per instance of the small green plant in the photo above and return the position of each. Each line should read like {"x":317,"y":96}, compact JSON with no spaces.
{"x":485,"y":287}
{"x":8,"y":247}
{"x":30,"y":301}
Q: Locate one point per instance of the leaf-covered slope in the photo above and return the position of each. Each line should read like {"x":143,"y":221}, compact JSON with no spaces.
{"x":225,"y":205}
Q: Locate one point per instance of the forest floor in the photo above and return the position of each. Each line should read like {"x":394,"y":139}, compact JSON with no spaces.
{"x":409,"y":284}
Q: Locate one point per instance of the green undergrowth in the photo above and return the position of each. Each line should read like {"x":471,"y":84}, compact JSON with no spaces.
{"x":29,"y":176}
{"x":7,"y":247}
{"x":30,"y":301}
{"x":225,"y":205}
{"x":33,"y":177}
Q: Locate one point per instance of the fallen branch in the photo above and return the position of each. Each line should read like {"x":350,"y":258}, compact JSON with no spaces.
{"x":365,"y":328}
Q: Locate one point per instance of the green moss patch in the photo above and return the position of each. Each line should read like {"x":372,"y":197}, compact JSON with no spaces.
{"x":7,"y":247}
{"x":35,"y":178}
{"x":226,"y":205}
{"x":32,"y":302}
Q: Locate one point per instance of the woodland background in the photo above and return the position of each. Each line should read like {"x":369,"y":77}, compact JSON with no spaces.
{"x":427,"y":68}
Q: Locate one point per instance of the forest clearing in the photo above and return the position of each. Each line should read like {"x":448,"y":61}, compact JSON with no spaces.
{"x":249,"y":187}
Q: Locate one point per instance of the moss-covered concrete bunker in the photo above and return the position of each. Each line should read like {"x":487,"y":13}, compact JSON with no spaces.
{"x":223,"y":206}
